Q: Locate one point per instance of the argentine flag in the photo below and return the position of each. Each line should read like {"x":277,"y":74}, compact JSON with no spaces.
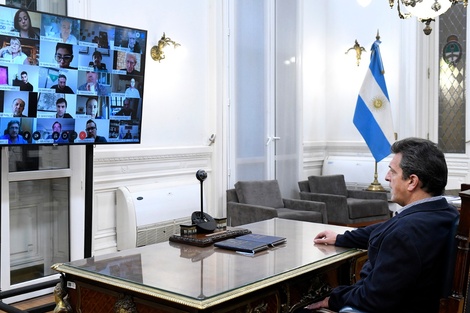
{"x":373,"y":115}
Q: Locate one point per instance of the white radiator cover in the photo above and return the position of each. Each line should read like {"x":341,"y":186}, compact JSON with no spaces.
{"x":358,"y":171}
{"x":151,"y":213}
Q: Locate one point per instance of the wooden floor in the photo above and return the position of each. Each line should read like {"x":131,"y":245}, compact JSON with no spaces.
{"x":25,"y":305}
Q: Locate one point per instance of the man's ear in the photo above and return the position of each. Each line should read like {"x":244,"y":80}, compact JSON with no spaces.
{"x":413,"y":182}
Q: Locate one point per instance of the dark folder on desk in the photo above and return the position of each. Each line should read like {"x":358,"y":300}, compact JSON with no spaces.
{"x":271,"y":241}
{"x":250,"y":243}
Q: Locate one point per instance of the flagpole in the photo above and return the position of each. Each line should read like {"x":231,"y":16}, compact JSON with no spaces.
{"x":375,"y":185}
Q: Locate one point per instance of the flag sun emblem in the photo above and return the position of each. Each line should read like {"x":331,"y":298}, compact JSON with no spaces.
{"x":378,"y":102}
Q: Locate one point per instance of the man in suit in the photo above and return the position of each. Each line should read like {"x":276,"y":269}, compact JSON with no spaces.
{"x":404,"y":272}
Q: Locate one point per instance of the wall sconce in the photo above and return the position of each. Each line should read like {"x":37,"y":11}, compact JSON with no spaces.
{"x":157,"y":52}
{"x":359,"y":49}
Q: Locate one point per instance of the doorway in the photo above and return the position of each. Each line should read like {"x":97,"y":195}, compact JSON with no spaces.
{"x":42,"y":213}
{"x":264,"y":135}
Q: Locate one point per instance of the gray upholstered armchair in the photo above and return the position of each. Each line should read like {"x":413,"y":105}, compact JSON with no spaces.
{"x":344,"y":206}
{"x":253,"y":201}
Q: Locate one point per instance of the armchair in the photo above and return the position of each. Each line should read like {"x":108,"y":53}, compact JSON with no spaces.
{"x":345,"y":207}
{"x":253,"y":201}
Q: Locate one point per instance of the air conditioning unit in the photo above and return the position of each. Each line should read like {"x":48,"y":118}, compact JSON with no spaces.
{"x":358,"y":171}
{"x":148,"y":214}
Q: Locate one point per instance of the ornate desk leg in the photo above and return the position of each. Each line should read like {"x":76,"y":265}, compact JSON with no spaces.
{"x":125,"y":305}
{"x":61,"y":297}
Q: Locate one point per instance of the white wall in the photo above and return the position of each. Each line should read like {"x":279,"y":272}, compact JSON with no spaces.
{"x":184,"y":96}
{"x":180,"y":104}
{"x":176,"y":90}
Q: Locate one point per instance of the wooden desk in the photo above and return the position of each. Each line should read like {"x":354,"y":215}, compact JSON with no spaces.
{"x":173,"y":277}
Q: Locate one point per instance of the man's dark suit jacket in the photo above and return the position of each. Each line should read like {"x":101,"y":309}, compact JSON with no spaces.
{"x":405,"y":256}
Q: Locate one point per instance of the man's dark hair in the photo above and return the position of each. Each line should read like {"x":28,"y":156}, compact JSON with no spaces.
{"x":66,"y":46}
{"x":61,"y":100}
{"x":24,"y":72}
{"x":97,"y":54}
{"x":57,"y":122}
{"x":91,"y":121}
{"x":424,"y":159}
{"x":62,"y":76}
{"x":13,"y":122}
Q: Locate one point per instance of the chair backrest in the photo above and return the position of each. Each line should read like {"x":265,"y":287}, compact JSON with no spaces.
{"x":329,"y":184}
{"x":449,"y":263}
{"x":260,"y":192}
{"x":455,"y":300}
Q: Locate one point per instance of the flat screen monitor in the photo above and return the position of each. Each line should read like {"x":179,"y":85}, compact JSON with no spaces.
{"x":68,"y":81}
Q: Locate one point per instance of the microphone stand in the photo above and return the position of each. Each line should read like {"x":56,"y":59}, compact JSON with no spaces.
{"x":203,"y":221}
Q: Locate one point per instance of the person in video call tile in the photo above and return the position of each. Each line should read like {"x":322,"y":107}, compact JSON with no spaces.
{"x":61,"y":86}
{"x":13,"y":52}
{"x":128,"y":135}
{"x":132,"y":44}
{"x":66,"y":32}
{"x":126,"y":109}
{"x":12,"y":133}
{"x":91,"y":131}
{"x":61,"y":107}
{"x":64,"y":55}
{"x":131,"y":91}
{"x":17,"y":107}
{"x":92,"y":108}
{"x":25,"y":85}
{"x":57,"y":133}
{"x":96,"y":63}
{"x":93,"y":85}
{"x":22,"y":24}
{"x":131,"y":62}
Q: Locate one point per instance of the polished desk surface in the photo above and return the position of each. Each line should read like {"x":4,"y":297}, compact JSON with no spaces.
{"x":204,"y":276}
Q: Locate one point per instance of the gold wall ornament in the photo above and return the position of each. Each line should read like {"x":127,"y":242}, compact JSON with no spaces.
{"x":357,"y":47}
{"x":157,"y":53}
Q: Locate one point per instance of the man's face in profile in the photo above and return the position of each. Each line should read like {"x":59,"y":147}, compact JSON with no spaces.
{"x":61,"y":108}
{"x":18,"y":107}
{"x":14,"y":130}
{"x":63,"y":57}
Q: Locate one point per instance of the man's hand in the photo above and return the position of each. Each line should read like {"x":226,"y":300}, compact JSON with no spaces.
{"x":318,"y":305}
{"x":326,"y":237}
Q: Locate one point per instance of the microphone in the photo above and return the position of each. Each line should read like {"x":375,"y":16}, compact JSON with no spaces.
{"x":203,"y":221}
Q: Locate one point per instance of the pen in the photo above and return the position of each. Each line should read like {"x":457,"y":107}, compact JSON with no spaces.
{"x":217,"y":233}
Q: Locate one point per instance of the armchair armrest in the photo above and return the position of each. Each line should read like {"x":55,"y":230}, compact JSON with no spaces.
{"x":304,"y":186}
{"x":364,"y":194}
{"x":240,"y":213}
{"x":304,"y":205}
{"x":336,"y":206}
